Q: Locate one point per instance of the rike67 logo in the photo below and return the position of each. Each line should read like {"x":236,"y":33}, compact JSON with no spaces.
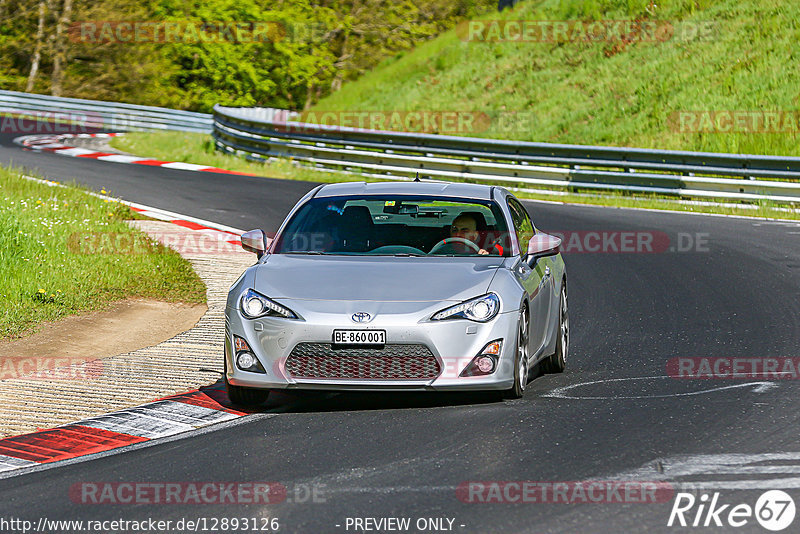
{"x":774,"y":510}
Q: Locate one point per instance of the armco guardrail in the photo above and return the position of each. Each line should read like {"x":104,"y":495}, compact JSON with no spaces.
{"x":97,"y":114}
{"x":401,"y":155}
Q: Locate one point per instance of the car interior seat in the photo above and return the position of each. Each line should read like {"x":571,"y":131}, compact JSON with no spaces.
{"x":357,"y":229}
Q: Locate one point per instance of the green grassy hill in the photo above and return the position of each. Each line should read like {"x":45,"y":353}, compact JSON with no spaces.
{"x":745,"y":58}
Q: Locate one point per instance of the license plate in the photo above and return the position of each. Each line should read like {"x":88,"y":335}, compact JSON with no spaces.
{"x":359,"y":337}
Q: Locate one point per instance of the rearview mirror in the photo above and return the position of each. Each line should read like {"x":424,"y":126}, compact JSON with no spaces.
{"x":255,"y":241}
{"x":542,"y":245}
{"x":398,"y":208}
{"x":408,"y":209}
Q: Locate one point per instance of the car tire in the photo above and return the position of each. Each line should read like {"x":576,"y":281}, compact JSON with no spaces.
{"x":244,"y":396}
{"x":557,"y":362}
{"x":521,"y":357}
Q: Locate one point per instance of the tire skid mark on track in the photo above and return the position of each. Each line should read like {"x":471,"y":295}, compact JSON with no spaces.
{"x":715,"y":472}
{"x":59,"y":144}
{"x":566,"y":392}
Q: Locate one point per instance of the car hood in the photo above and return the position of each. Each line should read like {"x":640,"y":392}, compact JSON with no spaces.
{"x":386,"y":279}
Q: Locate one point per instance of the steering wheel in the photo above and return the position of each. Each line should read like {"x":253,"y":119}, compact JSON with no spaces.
{"x":451,"y":240}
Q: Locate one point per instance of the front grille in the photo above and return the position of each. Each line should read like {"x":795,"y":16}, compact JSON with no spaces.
{"x":390,"y":362}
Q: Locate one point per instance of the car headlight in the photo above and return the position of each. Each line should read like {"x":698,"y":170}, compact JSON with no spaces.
{"x":480,"y":309}
{"x":254,"y":305}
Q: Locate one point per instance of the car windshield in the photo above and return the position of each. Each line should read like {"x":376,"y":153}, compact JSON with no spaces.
{"x":396,"y":226}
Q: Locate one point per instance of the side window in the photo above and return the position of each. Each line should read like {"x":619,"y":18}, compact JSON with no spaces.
{"x":522,"y":224}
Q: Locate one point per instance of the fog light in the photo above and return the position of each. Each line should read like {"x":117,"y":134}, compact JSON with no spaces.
{"x":245,"y":360}
{"x":485,"y":364}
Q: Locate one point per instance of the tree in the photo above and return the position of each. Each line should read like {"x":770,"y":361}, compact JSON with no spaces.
{"x":37,"y":51}
{"x":323,"y":44}
{"x":60,"y":47}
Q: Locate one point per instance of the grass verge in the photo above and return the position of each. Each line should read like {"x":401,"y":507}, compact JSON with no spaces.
{"x":199,"y":148}
{"x":45,"y":271}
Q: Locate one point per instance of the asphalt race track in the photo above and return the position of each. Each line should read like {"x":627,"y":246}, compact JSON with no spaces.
{"x":379,"y":456}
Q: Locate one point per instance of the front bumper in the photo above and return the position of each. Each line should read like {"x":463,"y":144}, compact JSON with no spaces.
{"x":454,"y":343}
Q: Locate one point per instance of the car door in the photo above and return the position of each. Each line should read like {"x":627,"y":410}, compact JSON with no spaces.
{"x":534,"y":278}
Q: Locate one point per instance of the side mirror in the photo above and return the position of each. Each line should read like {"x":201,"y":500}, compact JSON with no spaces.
{"x":542,"y":245}
{"x":255,"y":241}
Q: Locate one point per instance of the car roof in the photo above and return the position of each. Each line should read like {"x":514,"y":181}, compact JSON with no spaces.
{"x":427,"y":188}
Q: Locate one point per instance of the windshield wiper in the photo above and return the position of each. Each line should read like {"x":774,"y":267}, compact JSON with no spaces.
{"x":408,"y":254}
{"x":308,"y":252}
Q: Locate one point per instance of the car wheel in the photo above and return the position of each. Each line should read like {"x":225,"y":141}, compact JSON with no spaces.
{"x":558,"y":361}
{"x":521,"y":358}
{"x":244,"y":396}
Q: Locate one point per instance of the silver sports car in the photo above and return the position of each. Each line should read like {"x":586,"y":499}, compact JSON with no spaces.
{"x":398,"y":286}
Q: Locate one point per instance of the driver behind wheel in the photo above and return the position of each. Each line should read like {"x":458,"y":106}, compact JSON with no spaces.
{"x":466,"y":227}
